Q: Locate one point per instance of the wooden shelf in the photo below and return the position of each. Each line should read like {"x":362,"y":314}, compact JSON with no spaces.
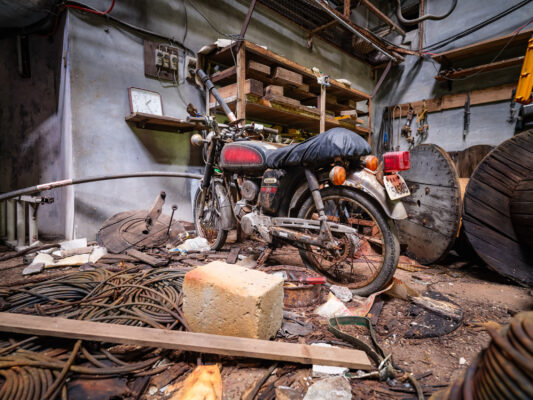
{"x":460,"y":73}
{"x":295,"y":107}
{"x":262,"y":110}
{"x":259,"y":54}
{"x":161,"y":123}
{"x":484,"y":47}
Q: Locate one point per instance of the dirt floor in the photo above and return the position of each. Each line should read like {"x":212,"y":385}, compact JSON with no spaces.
{"x":482,"y":295}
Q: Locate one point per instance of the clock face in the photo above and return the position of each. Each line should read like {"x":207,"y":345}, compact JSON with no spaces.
{"x":145,"y":101}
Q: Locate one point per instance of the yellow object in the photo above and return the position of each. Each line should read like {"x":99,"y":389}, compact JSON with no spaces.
{"x":204,"y":383}
{"x":525,"y":83}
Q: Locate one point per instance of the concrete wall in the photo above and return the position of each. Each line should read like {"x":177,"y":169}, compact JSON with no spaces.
{"x":34,"y":138}
{"x":414,"y":80}
{"x":106,"y":59}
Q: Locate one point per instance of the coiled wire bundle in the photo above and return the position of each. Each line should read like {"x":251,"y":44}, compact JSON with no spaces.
{"x":145,"y":298}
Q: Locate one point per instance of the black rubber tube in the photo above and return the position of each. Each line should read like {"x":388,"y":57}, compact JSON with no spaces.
{"x":68,"y":182}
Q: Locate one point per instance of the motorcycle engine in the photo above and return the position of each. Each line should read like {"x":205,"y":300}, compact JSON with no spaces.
{"x":249,"y":189}
{"x":255,"y":224}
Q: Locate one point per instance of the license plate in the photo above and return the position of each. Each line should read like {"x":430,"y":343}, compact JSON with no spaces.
{"x":395,"y":186}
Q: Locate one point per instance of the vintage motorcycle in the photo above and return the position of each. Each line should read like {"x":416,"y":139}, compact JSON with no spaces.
{"x":326,"y":196}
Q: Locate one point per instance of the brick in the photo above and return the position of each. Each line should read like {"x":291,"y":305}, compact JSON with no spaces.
{"x":231,"y":300}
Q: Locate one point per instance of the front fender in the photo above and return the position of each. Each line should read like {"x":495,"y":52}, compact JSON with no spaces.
{"x":226,"y":214}
{"x":368,"y":183}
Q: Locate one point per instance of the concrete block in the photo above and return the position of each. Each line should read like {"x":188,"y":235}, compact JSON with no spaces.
{"x":227,"y":299}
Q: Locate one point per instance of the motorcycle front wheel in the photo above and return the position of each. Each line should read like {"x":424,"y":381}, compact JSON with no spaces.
{"x":209,"y":226}
{"x":364,"y":262}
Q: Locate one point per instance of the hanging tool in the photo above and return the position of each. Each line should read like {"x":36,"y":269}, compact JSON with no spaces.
{"x":423,"y":126}
{"x":512,"y":105}
{"x":406,"y":129}
{"x":399,"y":107}
{"x":466,"y":120}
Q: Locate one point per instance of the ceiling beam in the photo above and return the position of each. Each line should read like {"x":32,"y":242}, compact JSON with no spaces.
{"x":376,"y":11}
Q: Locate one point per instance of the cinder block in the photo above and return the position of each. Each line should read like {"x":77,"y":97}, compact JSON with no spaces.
{"x":230,"y":300}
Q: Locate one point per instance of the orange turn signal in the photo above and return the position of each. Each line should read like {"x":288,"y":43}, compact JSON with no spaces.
{"x":337,"y":175}
{"x":371,"y":162}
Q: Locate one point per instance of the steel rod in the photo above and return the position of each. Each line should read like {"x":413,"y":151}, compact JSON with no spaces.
{"x":68,"y":182}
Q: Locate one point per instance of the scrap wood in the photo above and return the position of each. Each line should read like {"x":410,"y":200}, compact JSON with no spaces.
{"x":31,"y":249}
{"x":145,"y":258}
{"x":405,"y":292}
{"x":252,"y":392}
{"x":203,"y":383}
{"x":187,"y":341}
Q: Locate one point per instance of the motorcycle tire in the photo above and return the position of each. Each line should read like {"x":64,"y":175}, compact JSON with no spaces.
{"x":221,"y":235}
{"x":385,"y":224}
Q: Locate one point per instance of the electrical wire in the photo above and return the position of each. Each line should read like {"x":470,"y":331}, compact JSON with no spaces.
{"x":91,"y":10}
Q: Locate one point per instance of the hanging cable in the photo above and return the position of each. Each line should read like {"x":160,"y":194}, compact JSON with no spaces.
{"x":91,"y":10}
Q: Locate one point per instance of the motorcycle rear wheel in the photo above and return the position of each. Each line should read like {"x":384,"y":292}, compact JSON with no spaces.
{"x":209,"y":226}
{"x":368,"y":260}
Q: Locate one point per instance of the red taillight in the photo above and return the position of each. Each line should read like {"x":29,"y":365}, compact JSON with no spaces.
{"x":396,"y":161}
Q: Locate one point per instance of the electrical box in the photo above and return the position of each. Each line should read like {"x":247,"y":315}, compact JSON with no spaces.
{"x":161,"y":61}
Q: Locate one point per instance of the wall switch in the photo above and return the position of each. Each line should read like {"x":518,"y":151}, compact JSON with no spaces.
{"x":159,"y":58}
{"x":190,"y":63}
{"x":174,"y":62}
{"x":166,"y":60}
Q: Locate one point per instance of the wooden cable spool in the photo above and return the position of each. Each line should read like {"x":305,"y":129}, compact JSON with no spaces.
{"x":434,"y":207}
{"x":498,"y":209}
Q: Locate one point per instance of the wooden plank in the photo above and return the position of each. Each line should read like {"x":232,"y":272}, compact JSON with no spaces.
{"x":457,"y":100}
{"x":274,"y":89}
{"x":160,"y":122}
{"x":241,"y":83}
{"x":186,"y":341}
{"x":228,"y":73}
{"x":466,"y":161}
{"x":434,"y":207}
{"x":230,"y":93}
{"x":478,"y":68}
{"x":287,"y":76}
{"x":376,"y":11}
{"x":483,"y":47}
{"x":282,"y":99}
{"x":145,"y":258}
{"x":257,"y":67}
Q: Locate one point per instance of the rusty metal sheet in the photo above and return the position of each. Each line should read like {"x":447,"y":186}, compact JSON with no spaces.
{"x":434,"y":207}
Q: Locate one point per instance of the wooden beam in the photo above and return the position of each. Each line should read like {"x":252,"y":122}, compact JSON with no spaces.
{"x":376,"y":11}
{"x":478,"y":68}
{"x":481,"y":48}
{"x":347,"y":8}
{"x":421,"y":12}
{"x":449,"y":101}
{"x":186,"y":341}
{"x":321,"y":27}
{"x":241,"y":81}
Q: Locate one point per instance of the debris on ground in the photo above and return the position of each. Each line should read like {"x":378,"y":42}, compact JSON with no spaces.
{"x":101,"y":291}
{"x":333,"y":388}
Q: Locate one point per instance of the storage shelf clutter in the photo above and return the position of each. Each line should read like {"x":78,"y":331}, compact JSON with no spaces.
{"x":278,"y":91}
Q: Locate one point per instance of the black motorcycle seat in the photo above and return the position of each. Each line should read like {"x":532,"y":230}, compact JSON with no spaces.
{"x":320,"y":149}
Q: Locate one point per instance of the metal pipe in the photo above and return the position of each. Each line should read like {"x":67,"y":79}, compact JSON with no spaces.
{"x":33,"y":227}
{"x":352,"y":29}
{"x":21,"y":223}
{"x":3,"y":219}
{"x":68,"y":182}
{"x":10,"y":220}
{"x":211,"y":88}
{"x":422,"y":18}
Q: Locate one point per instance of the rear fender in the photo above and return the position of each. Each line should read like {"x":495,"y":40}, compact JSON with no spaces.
{"x":368,"y":183}
{"x":358,"y":180}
